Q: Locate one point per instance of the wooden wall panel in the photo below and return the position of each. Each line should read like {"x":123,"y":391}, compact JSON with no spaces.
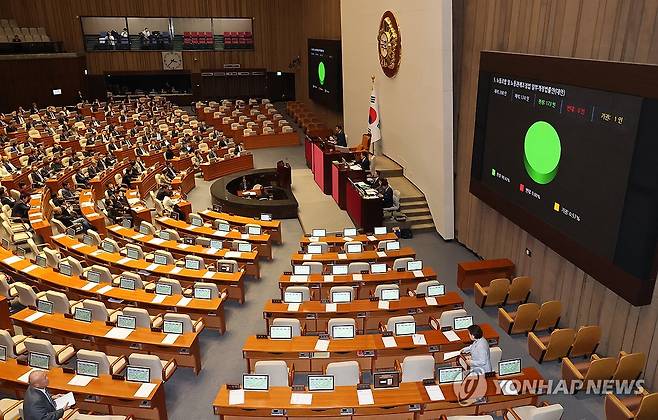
{"x":618,"y":30}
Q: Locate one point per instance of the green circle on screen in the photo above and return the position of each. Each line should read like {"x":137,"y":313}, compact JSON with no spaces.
{"x":542,"y":152}
{"x":321,"y":72}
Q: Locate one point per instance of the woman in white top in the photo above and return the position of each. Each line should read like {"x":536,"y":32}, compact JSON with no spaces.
{"x":479,"y":361}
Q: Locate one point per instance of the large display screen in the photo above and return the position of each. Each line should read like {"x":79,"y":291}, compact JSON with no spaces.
{"x":325,"y":73}
{"x":565,"y":157}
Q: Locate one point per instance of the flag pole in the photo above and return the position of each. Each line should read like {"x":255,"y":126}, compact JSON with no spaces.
{"x":372,"y":144}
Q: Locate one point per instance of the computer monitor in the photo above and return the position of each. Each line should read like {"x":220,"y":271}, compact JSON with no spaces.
{"x":405,"y":328}
{"x":390,"y":294}
{"x":339,"y":269}
{"x":244,"y":247}
{"x":354,"y":248}
{"x":251,"y":382}
{"x":65,"y":269}
{"x":202,"y":293}
{"x":45,"y":306}
{"x":414,"y":265}
{"x":224,"y":267}
{"x":127,"y":223}
{"x":86,"y":368}
{"x":41,"y":261}
{"x":127,"y":321}
{"x":93,"y":276}
{"x":127,"y":283}
{"x":132,"y":253}
{"x":254,"y":230}
{"x":280,"y":332}
{"x":224,"y":227}
{"x":343,"y":331}
{"x":509,"y":367}
{"x":350,"y":232}
{"x":38,"y":360}
{"x":87,"y":239}
{"x":215,"y":244}
{"x":196,"y":221}
{"x":144,"y":230}
{"x":319,"y":232}
{"x":172,"y":327}
{"x":450,"y":375}
{"x":380,"y":230}
{"x":21,"y":252}
{"x":266,"y":217}
{"x":3,"y":353}
{"x":192,"y":264}
{"x":386,"y":379}
{"x":107,"y":246}
{"x":314,"y":249}
{"x":293,"y":297}
{"x":160,"y":259}
{"x":393,"y":246}
{"x":163,"y":289}
{"x":138,"y":374}
{"x":462,"y":322}
{"x":5,"y":243}
{"x":341,"y":297}
{"x":82,"y":314}
{"x":320,"y":383}
{"x":301,"y":270}
{"x":378,"y":268}
{"x":436,"y":290}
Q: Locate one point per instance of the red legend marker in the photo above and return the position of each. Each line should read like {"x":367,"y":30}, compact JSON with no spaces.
{"x":521,"y":187}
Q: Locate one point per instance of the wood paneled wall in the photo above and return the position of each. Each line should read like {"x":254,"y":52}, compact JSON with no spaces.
{"x":618,"y":30}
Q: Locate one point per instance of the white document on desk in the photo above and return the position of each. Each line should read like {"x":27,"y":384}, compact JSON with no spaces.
{"x":307,"y":257}
{"x":233,"y":254}
{"x":29,"y":268}
{"x":118,"y":333}
{"x":80,"y":380}
{"x":419,"y":340}
{"x":293,"y":307}
{"x":347,"y":239}
{"x":90,"y":285}
{"x":152,"y":267}
{"x":156,"y":241}
{"x":183,"y":301}
{"x":104,"y":289}
{"x":124,"y":260}
{"x":365,"y":396}
{"x":331,"y":307}
{"x":357,"y":277}
{"x":78,"y":245}
{"x":418,"y":273}
{"x":450,"y":355}
{"x":96,"y":253}
{"x":183,"y":246}
{"x":145,"y":390}
{"x":236,"y":397}
{"x":322,"y":345}
{"x":175,"y":270}
{"x":65,"y":400}
{"x":170,"y":338}
{"x":219,"y":233}
{"x":383,"y":304}
{"x":299,"y":398}
{"x":389,"y":342}
{"x":508,"y":387}
{"x":435,"y":393}
{"x":372,"y":238}
{"x":342,"y":256}
{"x":159,"y":298}
{"x":208,"y":274}
{"x":431,"y":301}
{"x":313,"y":239}
{"x":34,"y":316}
{"x":26,"y":376}
{"x":138,"y":236}
{"x":298,"y":279}
{"x":328,"y":279}
{"x":381,"y":254}
{"x":451,"y":336}
{"x":211,"y":251}
{"x":11,"y":260}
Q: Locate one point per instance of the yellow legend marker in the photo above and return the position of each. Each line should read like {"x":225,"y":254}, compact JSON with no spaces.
{"x":556,"y":207}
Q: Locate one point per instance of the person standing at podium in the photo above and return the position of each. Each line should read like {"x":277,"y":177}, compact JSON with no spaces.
{"x":364,"y":162}
{"x":341,"y":140}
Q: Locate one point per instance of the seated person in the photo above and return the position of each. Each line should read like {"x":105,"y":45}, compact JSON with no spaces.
{"x":169,"y":172}
{"x":67,"y":192}
{"x":479,"y":361}
{"x":21,"y":208}
{"x":170,"y":204}
{"x":82,"y":179}
{"x":239,"y":148}
{"x":6,"y":199}
{"x":364,"y":162}
{"x":169,"y":153}
{"x":387,"y":194}
{"x":69,"y":217}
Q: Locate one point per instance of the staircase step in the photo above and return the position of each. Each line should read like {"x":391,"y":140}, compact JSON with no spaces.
{"x":418,"y":211}
{"x":420,"y":219}
{"x":412,"y":204}
{"x":424,"y":227}
{"x":390,"y":173}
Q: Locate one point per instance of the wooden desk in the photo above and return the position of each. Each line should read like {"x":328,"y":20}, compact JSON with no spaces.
{"x":368,"y":349}
{"x":154,"y":158}
{"x":323,"y":156}
{"x":91,"y":336}
{"x":262,"y":242}
{"x":365,"y":212}
{"x":365,"y":256}
{"x":363,"y":284}
{"x":125,"y":153}
{"x":471,"y":272}
{"x":147,"y":181}
{"x":248,"y":260}
{"x":89,"y":211}
{"x":234,"y":282}
{"x":101,"y":395}
{"x":54,"y":184}
{"x":184,"y":182}
{"x":182,"y":163}
{"x":273,"y":227}
{"x":39,"y":214}
{"x":5,"y":322}
{"x":270,"y":140}
{"x":314,"y":314}
{"x":220,"y":168}
{"x":389,"y":404}
{"x":139,"y":212}
{"x":99,"y":182}
{"x":340,"y":175}
{"x":338,"y":241}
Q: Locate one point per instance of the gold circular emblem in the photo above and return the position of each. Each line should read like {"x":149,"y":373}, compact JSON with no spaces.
{"x":389,"y":44}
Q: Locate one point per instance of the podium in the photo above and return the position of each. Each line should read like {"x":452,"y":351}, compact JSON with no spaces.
{"x":323,"y":156}
{"x":340,"y":175}
{"x":365,"y":211}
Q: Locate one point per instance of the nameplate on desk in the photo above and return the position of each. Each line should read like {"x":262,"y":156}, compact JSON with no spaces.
{"x":342,"y":256}
{"x":175,"y":270}
{"x":381,"y":254}
{"x":328,"y":279}
{"x":29,"y":268}
{"x":104,"y":289}
{"x":357,"y":277}
{"x":298,"y":279}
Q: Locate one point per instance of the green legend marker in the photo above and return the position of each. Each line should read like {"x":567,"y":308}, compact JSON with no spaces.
{"x":543,"y":150}
{"x":321,"y":72}
{"x":493,"y":172}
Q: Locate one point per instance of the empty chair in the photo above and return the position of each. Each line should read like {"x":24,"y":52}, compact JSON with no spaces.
{"x":345,"y":373}
{"x":343,"y":290}
{"x":495,"y":355}
{"x":545,"y":411}
{"x":520,"y":321}
{"x":26,"y":295}
{"x":519,"y":290}
{"x":11,"y":409}
{"x":172,"y":234}
{"x":136,"y":278}
{"x":595,"y":369}
{"x":76,"y":266}
{"x":380,"y":288}
{"x":14,"y":344}
{"x":59,"y":354}
{"x":115,"y":246}
{"x":135,"y":250}
{"x":381,"y":245}
{"x":421,"y":288}
{"x":96,"y":238}
{"x":401,"y":263}
{"x":316,"y":267}
{"x":197,"y":259}
{"x":188,"y":324}
{"x":492,"y":295}
{"x":630,"y":366}
{"x":176,"y":288}
{"x":390,"y":324}
{"x":142,"y":318}
{"x":358,"y":267}
{"x":107,"y":365}
{"x":324,"y":247}
{"x":417,"y":368}
{"x":552,"y":347}
{"x":276,"y":370}
{"x":289,"y":322}
{"x":99,"y":311}
{"x":447,"y":317}
{"x":164,"y":256}
{"x":160,"y":370}
{"x":339,"y":321}
{"x":304,"y":290}
{"x":52,"y":257}
{"x":104,"y":273}
{"x":549,"y":316}
{"x":586,"y":341}
{"x":639,"y":407}
{"x":7,"y":290}
{"x":61,"y":303}
{"x":346,"y":245}
{"x":147,"y":228}
{"x":235,"y":245}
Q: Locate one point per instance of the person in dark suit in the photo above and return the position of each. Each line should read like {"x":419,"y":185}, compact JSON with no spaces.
{"x":364,"y":162}
{"x":341,"y":140}
{"x":21,"y":209}
{"x":5,"y":199}
{"x":387,"y":194}
{"x":38,"y":404}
